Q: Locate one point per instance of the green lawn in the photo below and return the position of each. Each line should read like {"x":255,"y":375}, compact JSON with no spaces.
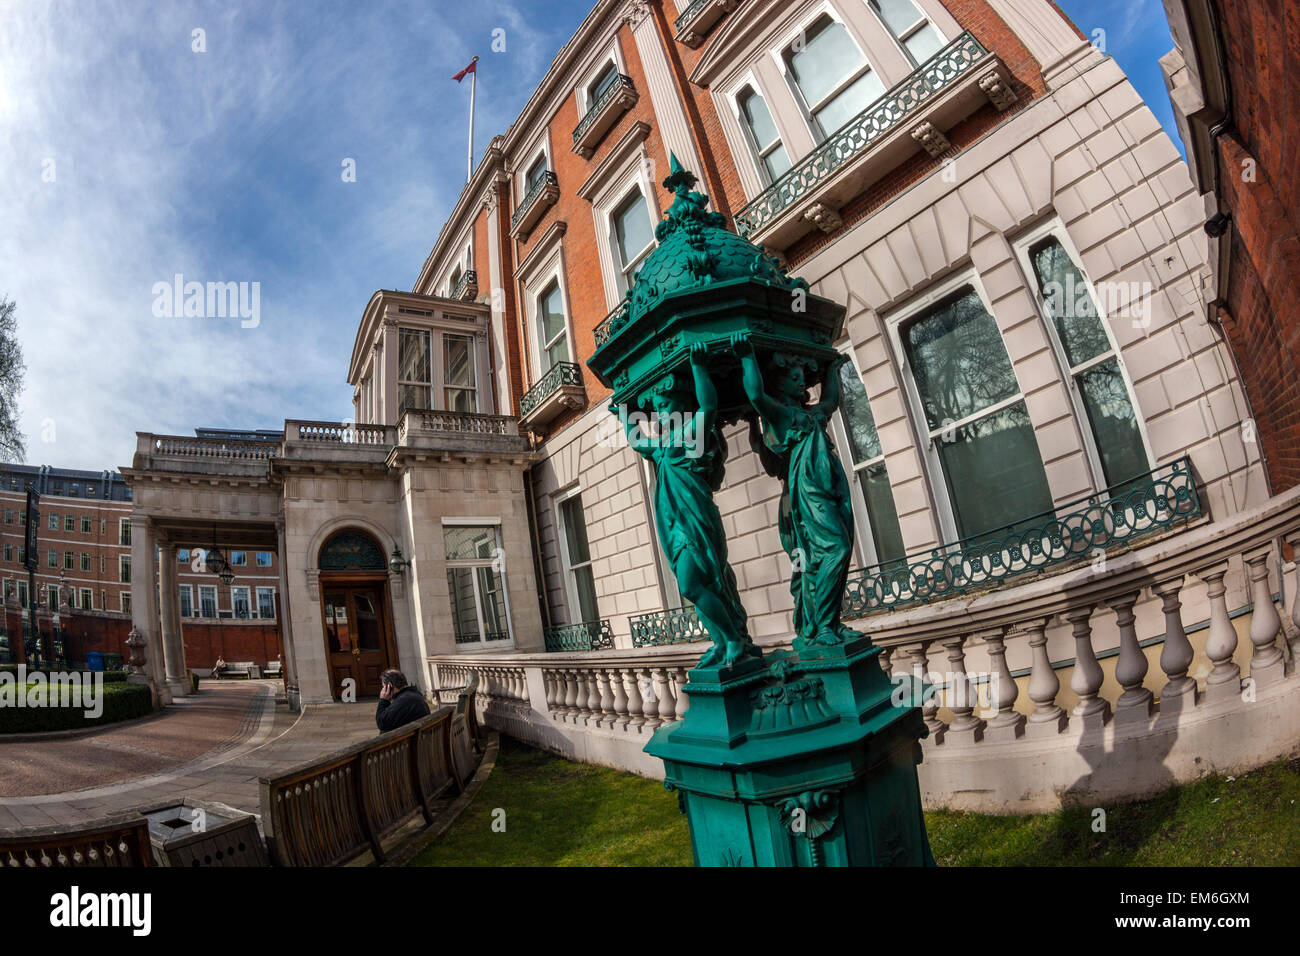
{"x":559,"y":813}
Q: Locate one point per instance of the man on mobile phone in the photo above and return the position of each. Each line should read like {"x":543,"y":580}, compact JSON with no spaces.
{"x":399,"y":702}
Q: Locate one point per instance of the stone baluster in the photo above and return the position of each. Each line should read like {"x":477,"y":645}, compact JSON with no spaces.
{"x":594,"y":711}
{"x":580,"y":702}
{"x":965,"y":725}
{"x":570,"y":694}
{"x":1048,"y":718}
{"x":1176,"y":657}
{"x":1266,"y":662}
{"x":663,"y":690}
{"x":1091,"y":709}
{"x":916,"y":653}
{"x":649,"y":697}
{"x":1294,"y":540}
{"x":635,"y":705}
{"x":1224,"y":682}
{"x":1006,"y":724}
{"x":620,"y":697}
{"x":548,"y":681}
{"x":1135,"y":703}
{"x":682,"y":698}
{"x":606,"y":716}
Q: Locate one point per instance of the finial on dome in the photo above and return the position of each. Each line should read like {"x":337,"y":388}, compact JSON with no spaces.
{"x":680,"y":180}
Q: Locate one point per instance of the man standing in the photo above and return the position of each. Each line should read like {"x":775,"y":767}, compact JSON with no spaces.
{"x":399,"y":702}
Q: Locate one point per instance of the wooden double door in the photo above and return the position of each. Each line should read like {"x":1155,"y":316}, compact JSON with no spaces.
{"x":358,"y":634}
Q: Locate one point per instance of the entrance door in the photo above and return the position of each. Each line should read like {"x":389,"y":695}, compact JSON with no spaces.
{"x":356,"y":636}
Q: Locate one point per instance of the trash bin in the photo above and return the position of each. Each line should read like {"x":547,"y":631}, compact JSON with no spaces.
{"x":94,"y":661}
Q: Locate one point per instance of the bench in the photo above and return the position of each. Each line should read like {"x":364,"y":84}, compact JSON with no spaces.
{"x":237,"y":669}
{"x":117,"y":841}
{"x":273,"y":669}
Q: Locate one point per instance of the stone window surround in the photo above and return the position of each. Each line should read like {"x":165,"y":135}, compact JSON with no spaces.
{"x":627,"y":166}
{"x":539,"y":146}
{"x":538,"y":281}
{"x":755,"y":170}
{"x":1054,"y":228}
{"x":866,"y":544}
{"x":760,"y":62}
{"x":790,"y":37}
{"x":945,"y":516}
{"x":494,"y":522}
{"x":463,"y":262}
{"x":611,"y":52}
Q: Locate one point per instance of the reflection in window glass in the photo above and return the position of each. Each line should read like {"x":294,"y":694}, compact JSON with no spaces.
{"x":869,"y":467}
{"x":832,"y":74}
{"x":458,"y":389}
{"x":632,"y":229}
{"x":764,"y":138}
{"x":583,"y":582}
{"x":414,"y":374}
{"x":551,"y":327}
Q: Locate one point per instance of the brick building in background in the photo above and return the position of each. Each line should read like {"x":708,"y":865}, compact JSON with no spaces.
{"x":83,"y":582}
{"x":1234,"y":79}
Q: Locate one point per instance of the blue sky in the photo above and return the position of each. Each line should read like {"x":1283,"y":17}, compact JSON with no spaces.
{"x":127,"y":157}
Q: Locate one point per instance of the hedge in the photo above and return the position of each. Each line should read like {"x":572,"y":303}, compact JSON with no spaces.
{"x":121,"y":701}
{"x":110,"y":677}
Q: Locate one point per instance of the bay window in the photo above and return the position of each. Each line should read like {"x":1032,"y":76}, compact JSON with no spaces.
{"x":459,"y":389}
{"x":414,"y":373}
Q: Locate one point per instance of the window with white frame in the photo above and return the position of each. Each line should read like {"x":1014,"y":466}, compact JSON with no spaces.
{"x":187,"y":600}
{"x":264,"y":559}
{"x":874,"y":503}
{"x":87,"y":600}
{"x":579,"y":579}
{"x":22,"y":593}
{"x":459,"y":389}
{"x":633,"y":236}
{"x":124,"y":531}
{"x":600,"y":85}
{"x":552,"y":327}
{"x":239,"y":559}
{"x":830,"y":74}
{"x":476,"y":583}
{"x":909,"y":25}
{"x":266,"y":602}
{"x":1084,"y":345}
{"x":761,"y":133}
{"x":124,"y":601}
{"x":239,"y":602}
{"x":124,"y":569}
{"x":536,"y":172}
{"x":414,"y":371}
{"x":207,"y":601}
{"x":980,"y":437}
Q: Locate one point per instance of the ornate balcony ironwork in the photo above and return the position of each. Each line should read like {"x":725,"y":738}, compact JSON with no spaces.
{"x":466,"y":286}
{"x":562,"y":374}
{"x":1074,"y":532}
{"x":601,"y":113}
{"x":610,"y":324}
{"x":678,"y":625}
{"x":543,"y":194}
{"x":958,"y":59}
{"x":588,"y":636}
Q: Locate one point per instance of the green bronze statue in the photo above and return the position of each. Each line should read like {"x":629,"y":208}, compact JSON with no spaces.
{"x":816,"y":523}
{"x":689,"y":454}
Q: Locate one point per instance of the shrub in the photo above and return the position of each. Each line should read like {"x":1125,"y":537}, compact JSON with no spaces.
{"x":122,"y":701}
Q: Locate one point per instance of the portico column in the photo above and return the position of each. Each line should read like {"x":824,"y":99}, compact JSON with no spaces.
{"x":286,"y":619}
{"x":173,"y":646}
{"x":144,"y":603}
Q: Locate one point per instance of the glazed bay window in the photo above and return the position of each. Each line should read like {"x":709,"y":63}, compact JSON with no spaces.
{"x":552,"y":331}
{"x":760,"y":130}
{"x":833,"y":78}
{"x":1094,"y":367}
{"x":577,"y":558}
{"x":975,"y":415}
{"x":875,"y":497}
{"x":459,"y":389}
{"x":633,"y":236}
{"x":914,"y":33}
{"x":476,"y":584}
{"x":414,"y":372}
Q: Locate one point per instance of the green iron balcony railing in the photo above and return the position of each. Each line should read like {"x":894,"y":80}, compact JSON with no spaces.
{"x":689,"y":14}
{"x":678,"y":625}
{"x":1077,"y":531}
{"x":597,"y":108}
{"x":927,"y":81}
{"x":463,"y":638}
{"x":546,"y":179}
{"x":467,"y":279}
{"x":588,"y":636}
{"x":561,"y":374}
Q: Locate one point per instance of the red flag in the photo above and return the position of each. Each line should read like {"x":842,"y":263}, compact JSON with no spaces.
{"x":472,"y":68}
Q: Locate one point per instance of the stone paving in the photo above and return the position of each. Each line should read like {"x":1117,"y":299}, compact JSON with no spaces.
{"x":214,"y":746}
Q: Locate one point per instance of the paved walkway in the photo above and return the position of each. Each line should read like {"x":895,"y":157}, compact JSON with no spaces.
{"x":213,"y":746}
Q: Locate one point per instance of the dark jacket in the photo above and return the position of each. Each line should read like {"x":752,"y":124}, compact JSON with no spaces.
{"x":408,"y":704}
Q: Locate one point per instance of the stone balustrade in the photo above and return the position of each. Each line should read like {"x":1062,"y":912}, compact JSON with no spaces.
{"x":1087,"y":685}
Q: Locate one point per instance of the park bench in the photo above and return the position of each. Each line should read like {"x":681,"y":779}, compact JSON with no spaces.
{"x":273,"y":669}
{"x":117,"y":841}
{"x":237,"y":669}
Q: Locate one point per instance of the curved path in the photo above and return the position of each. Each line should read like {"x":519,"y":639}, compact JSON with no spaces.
{"x":213,"y":746}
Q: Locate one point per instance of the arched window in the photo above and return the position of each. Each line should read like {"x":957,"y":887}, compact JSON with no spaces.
{"x":352,"y":551}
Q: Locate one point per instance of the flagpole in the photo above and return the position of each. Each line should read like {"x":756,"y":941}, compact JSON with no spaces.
{"x":473,"y":89}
